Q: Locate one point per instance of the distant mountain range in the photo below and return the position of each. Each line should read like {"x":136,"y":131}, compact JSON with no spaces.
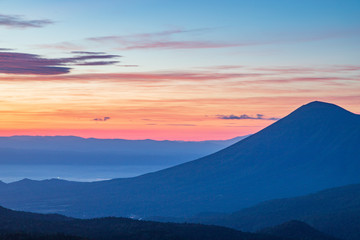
{"x":69,"y":150}
{"x":313,"y":148}
{"x":29,"y":226}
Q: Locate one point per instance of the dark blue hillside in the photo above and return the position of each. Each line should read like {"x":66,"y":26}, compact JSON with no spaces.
{"x":334,"y":211}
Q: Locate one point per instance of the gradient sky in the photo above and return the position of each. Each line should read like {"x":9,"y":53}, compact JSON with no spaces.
{"x":185,"y":70}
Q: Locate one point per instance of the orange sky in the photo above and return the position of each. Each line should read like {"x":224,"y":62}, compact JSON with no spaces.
{"x":165,"y":105}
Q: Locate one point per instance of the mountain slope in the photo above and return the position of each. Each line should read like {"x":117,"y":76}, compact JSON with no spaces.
{"x":313,"y":148}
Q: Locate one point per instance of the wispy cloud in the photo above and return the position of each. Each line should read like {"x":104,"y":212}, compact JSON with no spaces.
{"x":223,"y":67}
{"x":65,"y":46}
{"x":145,"y":36}
{"x":245,"y":116}
{"x":84,"y":58}
{"x":153,"y":77}
{"x":98,"y":63}
{"x":129,"y":65}
{"x":26,"y":63}
{"x":178,"y":45}
{"x":168,"y":39}
{"x":12,"y":63}
{"x":88,"y":53}
{"x":16,"y":21}
{"x":160,"y":40}
{"x":309,"y":70}
{"x":181,"y":124}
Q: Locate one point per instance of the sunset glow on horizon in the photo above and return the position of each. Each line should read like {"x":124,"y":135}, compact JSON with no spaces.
{"x":108,"y":70}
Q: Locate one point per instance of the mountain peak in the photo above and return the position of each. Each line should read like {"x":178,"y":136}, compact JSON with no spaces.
{"x":23,"y":181}
{"x":322,"y":111}
{"x":320,"y":104}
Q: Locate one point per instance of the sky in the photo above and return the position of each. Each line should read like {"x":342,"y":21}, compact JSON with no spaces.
{"x":176,"y":70}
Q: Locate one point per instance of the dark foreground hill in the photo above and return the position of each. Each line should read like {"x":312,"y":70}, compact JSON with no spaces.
{"x":29,"y":226}
{"x":334,"y":211}
{"x":313,"y":148}
{"x":35,"y":236}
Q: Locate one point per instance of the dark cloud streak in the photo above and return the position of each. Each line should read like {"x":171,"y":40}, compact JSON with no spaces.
{"x":104,"y":119}
{"x":26,"y":63}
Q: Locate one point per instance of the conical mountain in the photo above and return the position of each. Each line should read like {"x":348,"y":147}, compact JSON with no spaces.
{"x":315,"y":147}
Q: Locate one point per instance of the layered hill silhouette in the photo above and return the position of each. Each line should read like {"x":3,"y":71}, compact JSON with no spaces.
{"x":29,"y":226}
{"x":296,"y":230}
{"x":313,"y":148}
{"x":334,"y":211}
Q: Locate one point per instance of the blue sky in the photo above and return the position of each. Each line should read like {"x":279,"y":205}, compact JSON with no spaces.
{"x":281,"y":32}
